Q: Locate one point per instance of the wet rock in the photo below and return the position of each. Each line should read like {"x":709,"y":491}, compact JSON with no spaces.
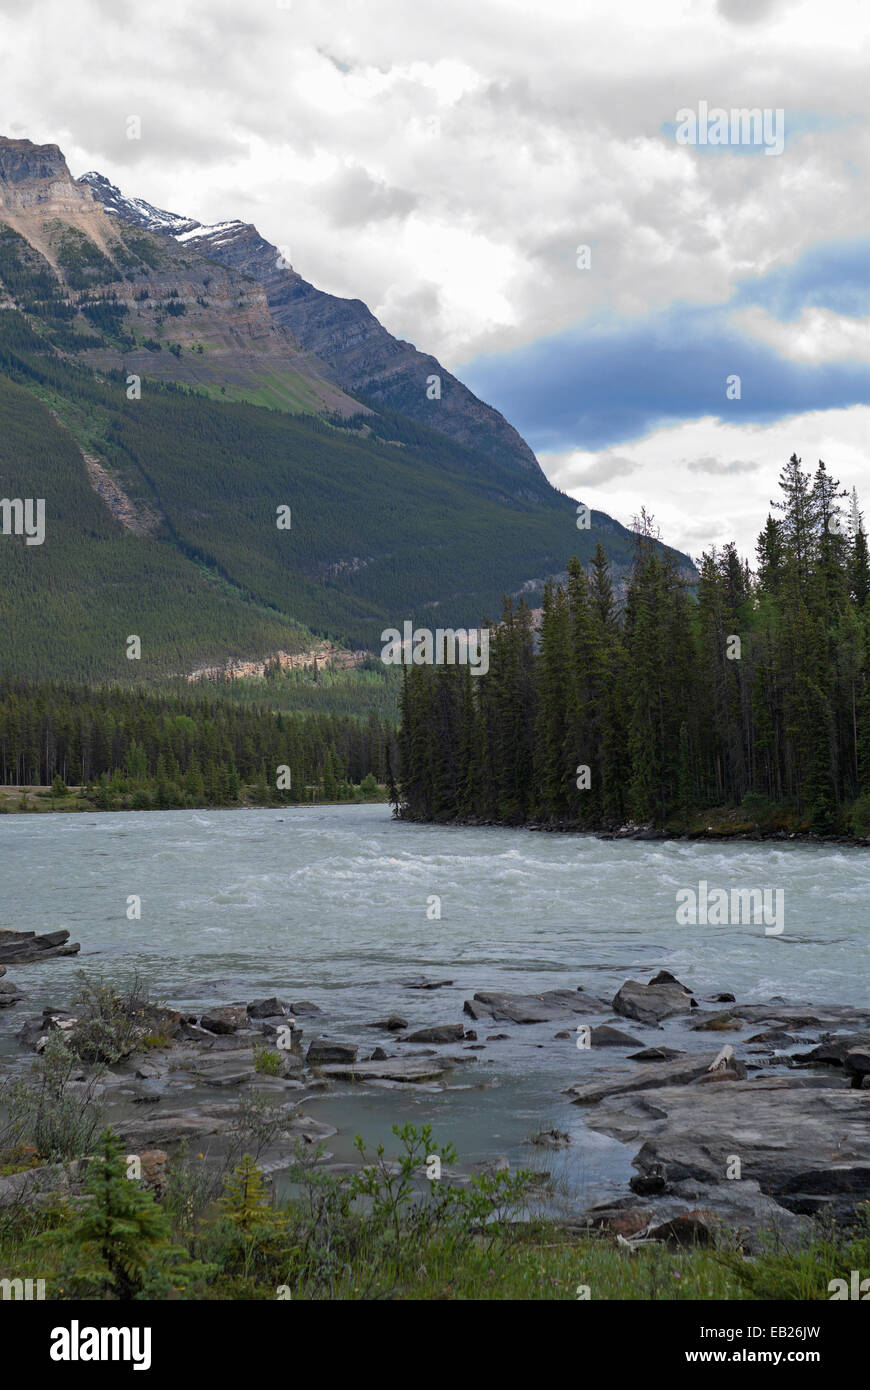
{"x":562,"y":1033}
{"x":549,"y":1007}
{"x":500,"y":1037}
{"x":780,"y":1128}
{"x":791,"y":1017}
{"x":661,"y":998}
{"x":394,"y":1024}
{"x":9,"y":994}
{"x":470,"y":1035}
{"x":656,"y":1054}
{"x":322,"y":1051}
{"x":305,"y":1009}
{"x":25,"y":947}
{"x":440,"y":1033}
{"x":605,"y":1036}
{"x":379,"y":1055}
{"x":833,"y":1052}
{"x":266,"y":1008}
{"x":650,"y":1184}
{"x":857,"y":1064}
{"x":719,"y":1023}
{"x":420,"y":982}
{"x":228,"y":1018}
{"x":404,"y":1069}
{"x":678,"y":1072}
{"x":774,"y":1037}
{"x":34,"y":1032}
{"x":552,"y":1139}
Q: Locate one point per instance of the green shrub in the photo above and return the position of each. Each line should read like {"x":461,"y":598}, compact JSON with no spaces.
{"x":267,"y":1062}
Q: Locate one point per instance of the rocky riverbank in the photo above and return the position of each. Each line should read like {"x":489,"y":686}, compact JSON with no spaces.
{"x":757,"y":1121}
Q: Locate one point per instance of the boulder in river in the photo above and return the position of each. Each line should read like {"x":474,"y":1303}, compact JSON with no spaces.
{"x":439,"y":1033}
{"x":661,"y":998}
{"x":9,"y":994}
{"x":605,"y":1036}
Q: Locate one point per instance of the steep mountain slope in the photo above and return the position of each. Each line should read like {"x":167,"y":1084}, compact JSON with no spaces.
{"x":366,"y":359}
{"x":164,"y":312}
{"x":162,"y":495}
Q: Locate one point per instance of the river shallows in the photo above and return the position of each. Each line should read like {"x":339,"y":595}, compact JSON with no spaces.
{"x":330,"y":904}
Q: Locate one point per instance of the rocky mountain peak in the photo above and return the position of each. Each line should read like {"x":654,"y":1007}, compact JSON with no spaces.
{"x":135,"y":211}
{"x":32,"y":175}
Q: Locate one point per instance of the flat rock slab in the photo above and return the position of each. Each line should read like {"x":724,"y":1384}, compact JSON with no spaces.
{"x":806,"y":1146}
{"x":24,"y":947}
{"x":549,"y":1007}
{"x":420,"y":982}
{"x":791,"y":1016}
{"x":393,"y":1069}
{"x":680,"y":1071}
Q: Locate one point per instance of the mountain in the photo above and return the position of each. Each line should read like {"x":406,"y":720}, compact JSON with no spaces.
{"x":151,"y":396}
{"x":366,"y":359}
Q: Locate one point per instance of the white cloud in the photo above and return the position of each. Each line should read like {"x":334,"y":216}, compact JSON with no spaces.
{"x":708,"y":483}
{"x":524,"y":131}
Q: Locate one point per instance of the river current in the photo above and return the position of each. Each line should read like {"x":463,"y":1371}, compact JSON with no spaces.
{"x":337,"y":905}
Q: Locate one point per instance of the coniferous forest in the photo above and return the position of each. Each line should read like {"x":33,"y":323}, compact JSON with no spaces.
{"x":146,"y":751}
{"x":746,"y":688}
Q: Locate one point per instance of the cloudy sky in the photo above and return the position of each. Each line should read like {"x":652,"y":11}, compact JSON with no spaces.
{"x":445,"y":161}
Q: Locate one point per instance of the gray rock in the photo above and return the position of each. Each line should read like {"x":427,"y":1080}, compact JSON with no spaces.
{"x":656,"y":1054}
{"x":833,"y":1052}
{"x":266,"y":1008}
{"x":605,"y":1036}
{"x":405,"y":1069}
{"x":25,"y":947}
{"x":305,"y":1009}
{"x":394,"y":1024}
{"x":9,"y":994}
{"x":552,"y":1139}
{"x":653,"y":1002}
{"x":228,"y":1018}
{"x":549,"y":1007}
{"x":439,"y":1033}
{"x":857,"y":1064}
{"x":678,"y":1072}
{"x":807,"y":1147}
{"x":322,"y":1051}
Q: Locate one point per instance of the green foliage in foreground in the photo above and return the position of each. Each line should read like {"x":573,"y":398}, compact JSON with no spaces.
{"x":383,"y":1232}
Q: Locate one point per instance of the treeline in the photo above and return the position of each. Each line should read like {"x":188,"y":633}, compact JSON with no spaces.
{"x":746,"y":688}
{"x":171,"y":751}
